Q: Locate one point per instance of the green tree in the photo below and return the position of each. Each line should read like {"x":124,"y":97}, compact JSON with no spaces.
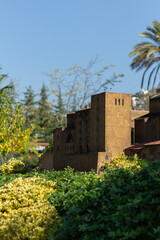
{"x":147,"y":54}
{"x":45,"y":117}
{"x":29,"y":106}
{"x":60,"y":111}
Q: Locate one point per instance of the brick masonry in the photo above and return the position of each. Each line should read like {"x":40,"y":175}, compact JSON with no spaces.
{"x":93,"y":135}
{"x":147,"y":132}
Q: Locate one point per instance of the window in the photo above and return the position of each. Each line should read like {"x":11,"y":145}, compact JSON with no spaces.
{"x":80,"y":148}
{"x":122,"y":102}
{"x":119,"y":101}
{"x":70,"y":138}
{"x":115,"y":101}
{"x":106,"y":157}
{"x":87,"y":148}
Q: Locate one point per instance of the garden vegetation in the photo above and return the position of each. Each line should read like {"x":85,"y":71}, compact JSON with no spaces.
{"x":122,"y":204}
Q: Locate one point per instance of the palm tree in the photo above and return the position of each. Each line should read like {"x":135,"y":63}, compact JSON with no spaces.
{"x":147,"y":54}
{"x":5,"y":90}
{"x":7,"y":87}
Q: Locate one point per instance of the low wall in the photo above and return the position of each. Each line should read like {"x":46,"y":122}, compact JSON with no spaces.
{"x":46,"y":161}
{"x":80,"y":162}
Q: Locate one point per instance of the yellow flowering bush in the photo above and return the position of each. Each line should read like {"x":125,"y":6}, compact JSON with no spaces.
{"x":129,"y":163}
{"x":14,"y":137}
{"x":12,"y":166}
{"x":25,"y":212}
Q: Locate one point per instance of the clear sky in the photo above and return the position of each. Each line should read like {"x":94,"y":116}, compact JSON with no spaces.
{"x":37,"y":36}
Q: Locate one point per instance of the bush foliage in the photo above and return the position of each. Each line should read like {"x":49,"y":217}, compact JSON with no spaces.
{"x":124,"y":205}
{"x":25,"y":212}
{"x":12,"y":166}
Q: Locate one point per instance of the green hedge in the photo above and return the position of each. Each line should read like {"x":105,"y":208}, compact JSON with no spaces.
{"x":124,"y":206}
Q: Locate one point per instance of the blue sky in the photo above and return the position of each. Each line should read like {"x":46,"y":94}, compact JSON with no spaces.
{"x":38,"y":36}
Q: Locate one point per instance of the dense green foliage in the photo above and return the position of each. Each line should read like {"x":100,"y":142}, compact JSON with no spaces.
{"x":45,"y":117}
{"x":124,"y":205}
{"x":72,"y":188}
{"x":12,"y":166}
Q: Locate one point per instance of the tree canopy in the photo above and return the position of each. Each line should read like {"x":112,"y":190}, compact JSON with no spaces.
{"x":147,"y":54}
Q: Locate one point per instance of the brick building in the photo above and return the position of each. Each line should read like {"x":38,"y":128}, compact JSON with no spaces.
{"x":93,"y":135}
{"x":147,"y":132}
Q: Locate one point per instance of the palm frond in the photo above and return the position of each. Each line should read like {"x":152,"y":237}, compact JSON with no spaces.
{"x":156,"y":75}
{"x":147,"y":53}
{"x":150,"y":76}
{"x":143,"y":77}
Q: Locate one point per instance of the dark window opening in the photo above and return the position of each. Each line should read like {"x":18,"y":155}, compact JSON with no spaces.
{"x":80,"y":148}
{"x":123,"y":102}
{"x":115,"y":101}
{"x":119,"y":101}
{"x":87,"y":148}
{"x":70,"y":139}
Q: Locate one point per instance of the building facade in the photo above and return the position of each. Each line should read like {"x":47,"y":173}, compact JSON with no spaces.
{"x":147,"y":132}
{"x":94,"y":135}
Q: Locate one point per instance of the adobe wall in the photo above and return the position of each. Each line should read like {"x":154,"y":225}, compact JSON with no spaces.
{"x":97,"y":123}
{"x":136,"y":114}
{"x":149,"y":152}
{"x":117,"y":123}
{"x":46,"y":161}
{"x":147,"y":129}
{"x":154,"y":105}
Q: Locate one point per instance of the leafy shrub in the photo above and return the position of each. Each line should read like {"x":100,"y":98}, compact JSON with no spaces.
{"x":12,"y":166}
{"x":71,"y":188}
{"x":127,"y":162}
{"x":25,"y":212}
{"x":29,"y":159}
{"x":124,"y":205}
